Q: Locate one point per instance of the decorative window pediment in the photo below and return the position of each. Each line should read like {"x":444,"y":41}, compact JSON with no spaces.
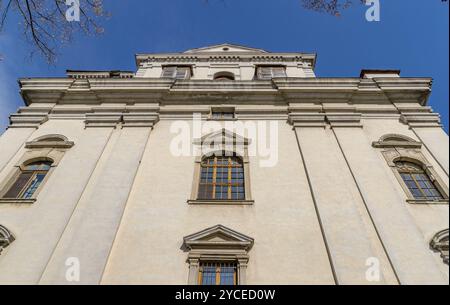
{"x":50,"y":141}
{"x":222,"y":136}
{"x":440,"y":243}
{"x":218,"y":255}
{"x":222,"y":171}
{"x":218,"y":237}
{"x":396,"y":140}
{"x":6,"y":238}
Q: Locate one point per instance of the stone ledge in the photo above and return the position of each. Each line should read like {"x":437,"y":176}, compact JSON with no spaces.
{"x":221,"y":202}
{"x":16,"y":201}
{"x":420,"y":201}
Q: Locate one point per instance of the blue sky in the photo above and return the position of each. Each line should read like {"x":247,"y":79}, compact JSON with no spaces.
{"x":412,"y":36}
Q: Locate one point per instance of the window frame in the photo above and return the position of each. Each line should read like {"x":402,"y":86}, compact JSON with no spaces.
{"x":225,"y":143}
{"x":218,"y":266}
{"x":23,"y":169}
{"x":409,"y":150}
{"x":221,"y":111}
{"x":224,"y":76}
{"x":175,"y":73}
{"x":204,"y":247}
{"x":229,"y":183}
{"x":40,"y":149}
{"x":258,"y":75}
{"x":196,"y":183}
{"x":412,"y":174}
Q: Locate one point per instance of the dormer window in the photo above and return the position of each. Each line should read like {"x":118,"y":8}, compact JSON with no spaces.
{"x":224,"y":76}
{"x":177,"y":72}
{"x":269,"y":72}
{"x":222,"y":113}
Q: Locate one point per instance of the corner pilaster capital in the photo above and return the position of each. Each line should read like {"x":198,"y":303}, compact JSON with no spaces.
{"x":308,"y":120}
{"x":337,"y":120}
{"x":29,"y":117}
{"x":421,"y":119}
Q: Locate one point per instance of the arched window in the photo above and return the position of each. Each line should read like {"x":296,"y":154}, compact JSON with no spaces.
{"x":29,"y":180}
{"x":224,"y":76}
{"x":222,"y":178}
{"x":418,"y":181}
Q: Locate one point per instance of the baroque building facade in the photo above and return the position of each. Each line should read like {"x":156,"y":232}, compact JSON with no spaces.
{"x":224,"y":165}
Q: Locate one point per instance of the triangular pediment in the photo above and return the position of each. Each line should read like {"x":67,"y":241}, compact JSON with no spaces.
{"x":222,"y":136}
{"x":225,"y":48}
{"x":218,"y":235}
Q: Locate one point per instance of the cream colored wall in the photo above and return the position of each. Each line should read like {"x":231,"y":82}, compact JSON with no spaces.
{"x":397,"y":222}
{"x":349,"y":232}
{"x":10,"y":142}
{"x":282,"y":221}
{"x":39,"y":227}
{"x":99,"y":211}
{"x":118,"y":203}
{"x":206,"y":71}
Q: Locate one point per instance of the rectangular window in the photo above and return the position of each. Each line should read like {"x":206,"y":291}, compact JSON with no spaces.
{"x":28,"y":181}
{"x":19,"y":185}
{"x":177,"y":72}
{"x":418,"y":181}
{"x":222,"y":178}
{"x":218,"y":274}
{"x":269,"y":72}
{"x":221,"y":115}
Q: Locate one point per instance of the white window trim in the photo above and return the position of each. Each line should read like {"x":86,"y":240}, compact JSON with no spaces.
{"x":407,"y":149}
{"x":36,"y":150}
{"x":217,"y":244}
{"x":222,"y":139}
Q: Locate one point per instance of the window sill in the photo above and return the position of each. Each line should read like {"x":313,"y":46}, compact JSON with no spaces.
{"x":16,"y":201}
{"x":424,"y":201}
{"x":220,"y":202}
{"x":230,"y":119}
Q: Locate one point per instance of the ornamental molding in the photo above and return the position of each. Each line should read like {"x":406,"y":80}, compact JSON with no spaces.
{"x":6,"y":238}
{"x":50,"y":141}
{"x":396,"y":140}
{"x":146,"y":115}
{"x":238,"y":57}
{"x":337,"y":120}
{"x":144,"y":90}
{"x":440,"y":243}
{"x":324,"y":119}
{"x":421,"y":119}
{"x":218,"y":237}
{"x":307,"y":120}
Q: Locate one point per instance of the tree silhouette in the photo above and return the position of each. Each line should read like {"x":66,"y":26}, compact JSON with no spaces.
{"x":44,"y":23}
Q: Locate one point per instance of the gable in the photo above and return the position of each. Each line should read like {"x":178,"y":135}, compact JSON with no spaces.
{"x":225,"y":48}
{"x":222,"y":136}
{"x":218,"y":236}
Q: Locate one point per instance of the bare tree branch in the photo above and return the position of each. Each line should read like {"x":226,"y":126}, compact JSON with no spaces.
{"x":45,"y":25}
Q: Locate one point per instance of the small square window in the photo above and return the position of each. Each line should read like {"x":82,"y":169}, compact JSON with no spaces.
{"x":222,"y":113}
{"x":177,"y":72}
{"x":269,"y":72}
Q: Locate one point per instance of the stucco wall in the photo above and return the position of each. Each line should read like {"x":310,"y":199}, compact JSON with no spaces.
{"x":118,"y":201}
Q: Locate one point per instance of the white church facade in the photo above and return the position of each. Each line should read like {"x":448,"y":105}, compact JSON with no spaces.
{"x":224,"y":165}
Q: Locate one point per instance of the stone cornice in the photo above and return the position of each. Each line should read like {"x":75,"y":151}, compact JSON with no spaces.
{"x":237,"y":57}
{"x":137,"y":90}
{"x":126,"y":116}
{"x":421,"y":119}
